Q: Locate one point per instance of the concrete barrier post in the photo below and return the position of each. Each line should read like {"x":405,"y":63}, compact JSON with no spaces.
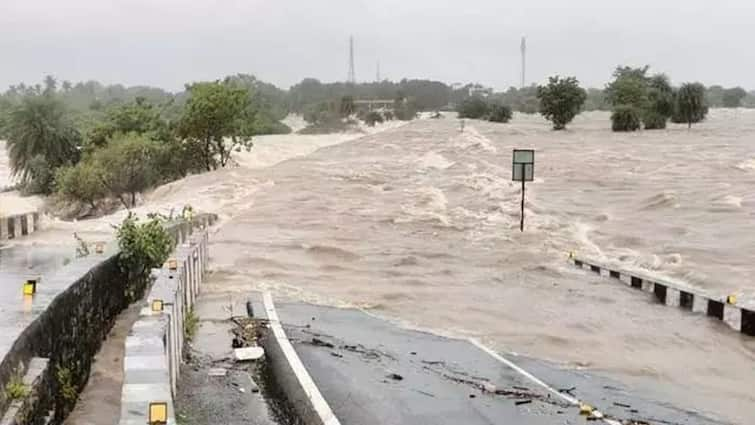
{"x":673,"y":297}
{"x":700,"y":304}
{"x":3,"y":228}
{"x":17,"y":228}
{"x":733,"y":316}
{"x":31,"y":223}
{"x":647,"y":286}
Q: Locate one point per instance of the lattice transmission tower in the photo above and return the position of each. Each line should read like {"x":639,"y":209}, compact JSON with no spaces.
{"x":523,"y":49}
{"x":352,"y":78}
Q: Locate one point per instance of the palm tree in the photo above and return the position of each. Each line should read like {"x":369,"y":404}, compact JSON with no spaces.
{"x":38,"y":127}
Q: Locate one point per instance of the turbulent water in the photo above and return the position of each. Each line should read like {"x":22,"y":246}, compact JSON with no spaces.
{"x":421,"y":224}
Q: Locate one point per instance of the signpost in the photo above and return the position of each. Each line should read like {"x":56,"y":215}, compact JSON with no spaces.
{"x":523,"y":170}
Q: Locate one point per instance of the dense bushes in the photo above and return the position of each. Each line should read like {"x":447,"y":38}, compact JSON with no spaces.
{"x":625,"y":118}
{"x":478,"y":108}
{"x":473,"y":108}
{"x":499,"y":113}
{"x":654,"y":100}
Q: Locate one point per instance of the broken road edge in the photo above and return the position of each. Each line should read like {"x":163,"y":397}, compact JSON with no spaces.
{"x":312,"y":408}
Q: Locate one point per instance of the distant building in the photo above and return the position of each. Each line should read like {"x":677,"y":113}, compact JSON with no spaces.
{"x":478,"y":90}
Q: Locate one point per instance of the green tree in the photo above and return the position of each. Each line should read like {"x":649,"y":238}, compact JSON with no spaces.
{"x":660,"y":104}
{"x":732,"y":98}
{"x":40,"y":127}
{"x":561,"y":100}
{"x":690,"y":104}
{"x":499,"y":113}
{"x":84,"y":182}
{"x":628,"y":93}
{"x":140,"y":117}
{"x":128,"y":166}
{"x":215,"y":119}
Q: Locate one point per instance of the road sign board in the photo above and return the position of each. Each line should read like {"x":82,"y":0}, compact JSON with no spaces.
{"x":523,"y":165}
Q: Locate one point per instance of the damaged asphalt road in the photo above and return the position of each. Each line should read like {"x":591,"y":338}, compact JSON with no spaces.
{"x":373,"y":372}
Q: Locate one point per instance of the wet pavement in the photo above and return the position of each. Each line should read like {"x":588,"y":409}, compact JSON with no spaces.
{"x":17,"y":264}
{"x":371,"y":371}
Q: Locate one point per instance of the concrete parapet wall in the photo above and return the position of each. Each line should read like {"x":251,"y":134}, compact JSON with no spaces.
{"x":675,"y":294}
{"x":155,"y":345}
{"x":16,"y":226}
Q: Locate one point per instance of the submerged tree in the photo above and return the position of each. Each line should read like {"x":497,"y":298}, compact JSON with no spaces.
{"x":628,"y":93}
{"x":660,"y":104}
{"x":625,"y":118}
{"x":732,"y":98}
{"x":689,"y":105}
{"x":473,"y":108}
{"x":499,"y":113}
{"x":561,"y":100}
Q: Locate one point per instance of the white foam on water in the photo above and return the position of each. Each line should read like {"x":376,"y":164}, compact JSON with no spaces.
{"x":434,"y":160}
{"x":748,"y":165}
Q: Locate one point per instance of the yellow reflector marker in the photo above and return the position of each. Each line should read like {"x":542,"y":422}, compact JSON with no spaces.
{"x":157,"y":306}
{"x":172,"y":264}
{"x":30,"y":287}
{"x":731,"y":299}
{"x":158,"y":413}
{"x":99,"y":248}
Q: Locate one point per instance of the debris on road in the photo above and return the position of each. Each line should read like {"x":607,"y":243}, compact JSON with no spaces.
{"x":395,"y":377}
{"x":248,"y":353}
{"x":320,"y":343}
{"x":217,"y":371}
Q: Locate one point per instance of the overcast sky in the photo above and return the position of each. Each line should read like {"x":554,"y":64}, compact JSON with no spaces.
{"x":166,"y":43}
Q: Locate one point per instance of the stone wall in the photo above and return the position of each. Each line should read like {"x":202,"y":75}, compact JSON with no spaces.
{"x":15,"y":226}
{"x":155,"y":345}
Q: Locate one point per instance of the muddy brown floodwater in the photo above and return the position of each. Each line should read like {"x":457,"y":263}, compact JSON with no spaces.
{"x":420,"y":224}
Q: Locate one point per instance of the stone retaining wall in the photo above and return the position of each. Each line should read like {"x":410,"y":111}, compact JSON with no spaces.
{"x":15,"y":226}
{"x":674,"y":294}
{"x":155,"y":345}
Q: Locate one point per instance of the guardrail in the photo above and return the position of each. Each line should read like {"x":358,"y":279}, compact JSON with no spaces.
{"x":15,"y":226}
{"x":677,"y":294}
{"x":155,"y":344}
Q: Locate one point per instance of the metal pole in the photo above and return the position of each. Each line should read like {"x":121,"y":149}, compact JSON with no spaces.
{"x":521,"y":224}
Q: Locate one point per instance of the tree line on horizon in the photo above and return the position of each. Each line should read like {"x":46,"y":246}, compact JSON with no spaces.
{"x":93,"y":143}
